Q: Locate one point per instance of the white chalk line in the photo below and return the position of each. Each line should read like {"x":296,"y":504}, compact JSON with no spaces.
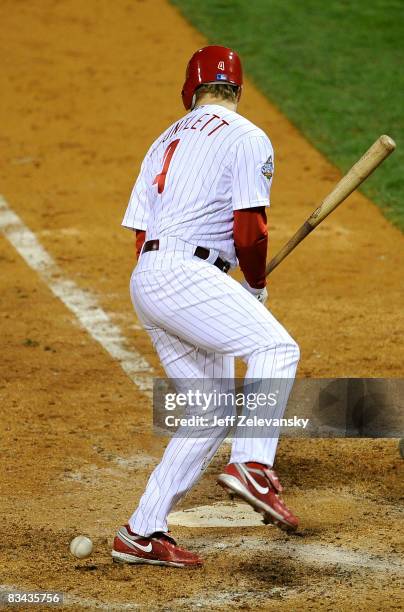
{"x":80,"y":302}
{"x":94,"y":320}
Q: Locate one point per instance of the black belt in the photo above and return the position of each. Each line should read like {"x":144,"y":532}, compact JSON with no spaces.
{"x":201,"y":252}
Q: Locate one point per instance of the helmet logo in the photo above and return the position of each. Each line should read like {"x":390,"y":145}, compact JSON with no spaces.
{"x":220,"y":66}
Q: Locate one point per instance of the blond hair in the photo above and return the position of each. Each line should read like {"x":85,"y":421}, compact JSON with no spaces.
{"x":225,"y":91}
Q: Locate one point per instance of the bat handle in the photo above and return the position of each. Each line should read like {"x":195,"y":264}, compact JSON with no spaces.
{"x":301,"y":233}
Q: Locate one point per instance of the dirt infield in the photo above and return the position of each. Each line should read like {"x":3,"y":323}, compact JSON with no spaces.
{"x":85,"y":88}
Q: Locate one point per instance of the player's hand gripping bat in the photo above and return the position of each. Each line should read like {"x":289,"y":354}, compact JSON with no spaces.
{"x":363,"y":168}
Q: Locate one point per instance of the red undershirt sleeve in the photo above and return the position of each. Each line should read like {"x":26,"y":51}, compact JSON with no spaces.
{"x":140,"y":238}
{"x":250,"y":235}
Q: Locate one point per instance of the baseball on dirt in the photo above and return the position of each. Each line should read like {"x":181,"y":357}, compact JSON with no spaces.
{"x":81,"y":547}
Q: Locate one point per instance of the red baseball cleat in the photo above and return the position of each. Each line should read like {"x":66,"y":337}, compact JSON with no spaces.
{"x":157,"y":549}
{"x":259,"y":486}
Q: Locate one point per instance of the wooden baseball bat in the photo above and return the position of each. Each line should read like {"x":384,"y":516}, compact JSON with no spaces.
{"x":363,"y":168}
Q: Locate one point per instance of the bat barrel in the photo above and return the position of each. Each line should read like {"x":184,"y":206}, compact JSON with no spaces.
{"x":373,"y":157}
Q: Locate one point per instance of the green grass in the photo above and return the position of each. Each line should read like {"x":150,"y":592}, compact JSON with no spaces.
{"x":334,"y":67}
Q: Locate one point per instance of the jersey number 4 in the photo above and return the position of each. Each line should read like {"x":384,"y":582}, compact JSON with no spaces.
{"x":168,"y":154}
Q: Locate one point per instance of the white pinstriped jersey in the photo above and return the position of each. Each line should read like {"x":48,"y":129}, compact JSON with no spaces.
{"x":203,"y":167}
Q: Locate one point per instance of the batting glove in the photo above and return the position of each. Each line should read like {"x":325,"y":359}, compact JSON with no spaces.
{"x":260,"y":294}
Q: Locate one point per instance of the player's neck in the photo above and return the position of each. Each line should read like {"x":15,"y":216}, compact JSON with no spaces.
{"x":208,"y":99}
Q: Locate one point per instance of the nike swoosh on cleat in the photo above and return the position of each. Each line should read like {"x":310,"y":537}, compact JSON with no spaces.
{"x":146,"y":549}
{"x":132,"y":542}
{"x":262,"y":490}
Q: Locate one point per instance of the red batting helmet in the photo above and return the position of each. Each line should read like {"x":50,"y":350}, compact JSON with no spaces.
{"x":211,"y":64}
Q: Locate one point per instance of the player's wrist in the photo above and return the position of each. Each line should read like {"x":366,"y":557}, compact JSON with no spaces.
{"x":253,"y":290}
{"x":260,"y":293}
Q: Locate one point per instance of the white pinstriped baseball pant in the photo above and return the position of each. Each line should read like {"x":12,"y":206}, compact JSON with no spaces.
{"x":199,"y":320}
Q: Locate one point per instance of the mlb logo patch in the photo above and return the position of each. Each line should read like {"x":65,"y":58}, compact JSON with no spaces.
{"x":221,"y":77}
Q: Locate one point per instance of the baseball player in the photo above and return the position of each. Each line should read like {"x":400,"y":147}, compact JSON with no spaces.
{"x":198,"y":209}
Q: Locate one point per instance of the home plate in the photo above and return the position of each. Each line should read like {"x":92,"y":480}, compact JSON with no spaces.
{"x":219,"y":514}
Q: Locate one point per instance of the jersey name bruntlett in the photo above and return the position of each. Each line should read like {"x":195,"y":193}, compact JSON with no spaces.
{"x":207,"y":119}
